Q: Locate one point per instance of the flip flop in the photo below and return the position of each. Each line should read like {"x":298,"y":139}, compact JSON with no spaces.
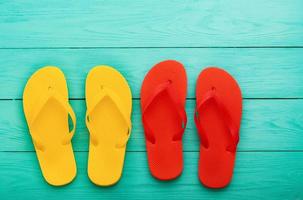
{"x":47,"y":112}
{"x":163,"y":96}
{"x":109,"y":105}
{"x":217,"y":117}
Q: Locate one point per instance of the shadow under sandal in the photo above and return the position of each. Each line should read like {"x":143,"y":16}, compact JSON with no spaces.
{"x":217,"y":117}
{"x":46,"y":108}
{"x":163,"y":96}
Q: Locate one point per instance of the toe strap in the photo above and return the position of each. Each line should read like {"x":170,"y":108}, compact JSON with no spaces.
{"x":233,"y":130}
{"x":107,"y":92}
{"x":40,"y":104}
{"x":180,"y":111}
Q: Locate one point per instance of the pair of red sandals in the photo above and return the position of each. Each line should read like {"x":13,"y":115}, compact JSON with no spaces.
{"x":217,"y":117}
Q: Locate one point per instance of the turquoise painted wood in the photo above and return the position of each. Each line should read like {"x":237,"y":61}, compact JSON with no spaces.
{"x":267,"y":125}
{"x":257,"y":176}
{"x":261,"y":73}
{"x":259,"y":42}
{"x":154,"y":23}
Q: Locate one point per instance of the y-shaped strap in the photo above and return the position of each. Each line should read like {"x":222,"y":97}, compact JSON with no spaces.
{"x":107,"y":92}
{"x":42,"y":101}
{"x":161,"y":88}
{"x":233,"y":130}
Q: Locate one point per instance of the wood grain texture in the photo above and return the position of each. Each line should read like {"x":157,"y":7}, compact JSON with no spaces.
{"x":261,"y":73}
{"x":256,"y":176}
{"x":267,"y":125}
{"x":259,"y":42}
{"x":157,"y":23}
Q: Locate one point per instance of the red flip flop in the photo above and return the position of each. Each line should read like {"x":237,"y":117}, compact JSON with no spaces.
{"x":163,"y":96}
{"x":217,"y":117}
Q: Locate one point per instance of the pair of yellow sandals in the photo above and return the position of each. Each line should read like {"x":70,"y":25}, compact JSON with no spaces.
{"x":47,"y":111}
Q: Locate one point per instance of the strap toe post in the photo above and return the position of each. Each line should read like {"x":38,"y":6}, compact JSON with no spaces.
{"x":212,"y":95}
{"x":161,"y":88}
{"x":41,"y":103}
{"x":106,"y":92}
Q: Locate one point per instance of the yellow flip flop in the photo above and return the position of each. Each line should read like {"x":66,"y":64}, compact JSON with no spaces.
{"x":109,"y":105}
{"x":47,"y":111}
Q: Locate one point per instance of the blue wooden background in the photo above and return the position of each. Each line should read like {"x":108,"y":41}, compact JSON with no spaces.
{"x":259,"y":42}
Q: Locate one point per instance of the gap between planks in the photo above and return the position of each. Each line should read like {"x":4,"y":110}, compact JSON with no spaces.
{"x":163,"y":47}
{"x":240,"y":151}
{"x":81,"y":99}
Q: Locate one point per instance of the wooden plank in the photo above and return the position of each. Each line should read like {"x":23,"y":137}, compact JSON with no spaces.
{"x":257,"y":176}
{"x":267,"y":125}
{"x":150,"y":23}
{"x":261,"y":73}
